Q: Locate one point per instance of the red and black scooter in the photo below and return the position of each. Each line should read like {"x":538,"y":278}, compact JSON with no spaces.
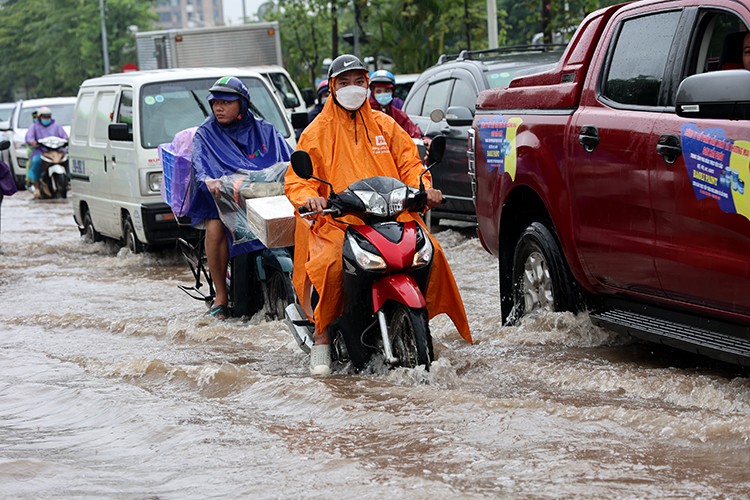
{"x":386,"y":268}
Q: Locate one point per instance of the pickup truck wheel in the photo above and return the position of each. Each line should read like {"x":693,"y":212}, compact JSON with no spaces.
{"x":541,"y":279}
{"x":129,"y":236}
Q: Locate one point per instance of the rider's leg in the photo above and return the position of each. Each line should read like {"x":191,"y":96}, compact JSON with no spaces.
{"x":217,"y":254}
{"x":34,"y":172}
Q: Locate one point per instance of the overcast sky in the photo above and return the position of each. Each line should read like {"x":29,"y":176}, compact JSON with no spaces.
{"x":233,"y":10}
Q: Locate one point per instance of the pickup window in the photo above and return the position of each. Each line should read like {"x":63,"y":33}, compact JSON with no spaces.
{"x":639,"y":59}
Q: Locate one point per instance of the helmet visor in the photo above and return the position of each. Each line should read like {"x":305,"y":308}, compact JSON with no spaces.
{"x":223,"y":96}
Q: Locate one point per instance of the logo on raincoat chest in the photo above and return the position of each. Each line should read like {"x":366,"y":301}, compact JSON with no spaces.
{"x":381,"y":146}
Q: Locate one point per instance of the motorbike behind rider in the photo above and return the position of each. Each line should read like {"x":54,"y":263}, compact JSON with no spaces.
{"x":45,"y":127}
{"x":348,"y":142}
{"x":231,"y":138}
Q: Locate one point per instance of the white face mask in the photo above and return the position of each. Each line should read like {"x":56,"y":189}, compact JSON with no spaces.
{"x":351,"y":97}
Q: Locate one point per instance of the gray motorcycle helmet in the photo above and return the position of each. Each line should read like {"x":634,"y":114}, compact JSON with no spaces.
{"x":344,"y":63}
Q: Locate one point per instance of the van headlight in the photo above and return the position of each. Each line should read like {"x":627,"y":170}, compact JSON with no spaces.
{"x":154,"y":181}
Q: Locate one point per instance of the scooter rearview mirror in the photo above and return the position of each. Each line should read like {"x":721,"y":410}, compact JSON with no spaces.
{"x":436,"y":151}
{"x":5,"y":144}
{"x":302,"y":164}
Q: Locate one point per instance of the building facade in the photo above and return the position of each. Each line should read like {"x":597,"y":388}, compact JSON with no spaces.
{"x":189,"y":13}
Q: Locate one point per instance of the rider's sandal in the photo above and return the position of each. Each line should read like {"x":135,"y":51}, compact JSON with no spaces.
{"x":320,"y":359}
{"x":220,"y":312}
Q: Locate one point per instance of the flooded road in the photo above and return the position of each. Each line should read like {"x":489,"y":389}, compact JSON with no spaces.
{"x":113,"y":383}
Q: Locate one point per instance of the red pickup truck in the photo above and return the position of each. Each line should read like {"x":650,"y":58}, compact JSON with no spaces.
{"x":615,"y":182}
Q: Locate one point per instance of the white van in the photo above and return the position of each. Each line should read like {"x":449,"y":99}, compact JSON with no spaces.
{"x":286,"y":90}
{"x":118,"y":123}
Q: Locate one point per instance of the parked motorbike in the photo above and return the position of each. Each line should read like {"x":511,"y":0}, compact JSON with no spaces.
{"x":386,"y":269}
{"x":54,"y":176}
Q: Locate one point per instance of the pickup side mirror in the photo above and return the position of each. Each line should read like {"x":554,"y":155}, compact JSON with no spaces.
{"x":459,"y":116}
{"x":302,"y":164}
{"x":299,"y":120}
{"x":718,"y":95}
{"x":120,"y":132}
{"x":4,"y":144}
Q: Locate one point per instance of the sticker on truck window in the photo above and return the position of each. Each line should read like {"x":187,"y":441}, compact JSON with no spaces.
{"x":718,"y":167}
{"x":498,"y":136}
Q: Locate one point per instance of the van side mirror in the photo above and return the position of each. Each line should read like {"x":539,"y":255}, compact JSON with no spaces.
{"x":308,"y":95}
{"x":299,"y":120}
{"x":120,"y":132}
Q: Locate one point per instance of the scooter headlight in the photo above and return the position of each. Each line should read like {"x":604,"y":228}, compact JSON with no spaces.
{"x":384,"y":204}
{"x":366,"y":260}
{"x":423,"y":255}
{"x":373,"y":201}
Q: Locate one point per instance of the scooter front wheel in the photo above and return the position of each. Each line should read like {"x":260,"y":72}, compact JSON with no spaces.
{"x":409,"y":332}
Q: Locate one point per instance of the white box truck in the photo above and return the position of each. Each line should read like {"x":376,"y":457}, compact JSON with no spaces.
{"x":256,"y":45}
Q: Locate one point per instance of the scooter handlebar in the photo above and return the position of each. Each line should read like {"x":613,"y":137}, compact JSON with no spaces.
{"x":305,"y":213}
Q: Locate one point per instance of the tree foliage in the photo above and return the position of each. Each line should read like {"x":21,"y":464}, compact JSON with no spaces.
{"x":413,"y":33}
{"x":48,"y":47}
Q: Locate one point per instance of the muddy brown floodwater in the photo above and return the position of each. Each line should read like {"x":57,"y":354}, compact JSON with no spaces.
{"x":114,"y":384}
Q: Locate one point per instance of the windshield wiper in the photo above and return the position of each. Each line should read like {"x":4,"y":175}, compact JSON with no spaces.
{"x":256,"y":111}
{"x":200,"y":103}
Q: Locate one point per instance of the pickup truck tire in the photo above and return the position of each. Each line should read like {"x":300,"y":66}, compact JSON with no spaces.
{"x":541,"y":278}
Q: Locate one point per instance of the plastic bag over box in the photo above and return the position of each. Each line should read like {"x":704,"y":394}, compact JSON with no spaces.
{"x":271,"y":219}
{"x":236,"y":188}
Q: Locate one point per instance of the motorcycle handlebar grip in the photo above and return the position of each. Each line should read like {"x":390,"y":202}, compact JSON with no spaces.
{"x":303,"y":210}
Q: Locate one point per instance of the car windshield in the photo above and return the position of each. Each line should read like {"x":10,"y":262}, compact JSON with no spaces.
{"x":169,"y":107}
{"x":61,"y":113}
{"x":5,"y":111}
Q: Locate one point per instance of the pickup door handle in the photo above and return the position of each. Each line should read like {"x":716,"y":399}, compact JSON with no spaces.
{"x":589,"y":138}
{"x":669,"y":148}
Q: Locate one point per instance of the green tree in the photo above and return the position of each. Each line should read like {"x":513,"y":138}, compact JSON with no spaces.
{"x":48,"y":47}
{"x":305,"y":37}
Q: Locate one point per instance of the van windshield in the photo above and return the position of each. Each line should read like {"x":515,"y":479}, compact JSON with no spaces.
{"x":169,"y":107}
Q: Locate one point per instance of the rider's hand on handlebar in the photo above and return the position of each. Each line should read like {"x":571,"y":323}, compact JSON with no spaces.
{"x":316,"y":204}
{"x":434,"y":197}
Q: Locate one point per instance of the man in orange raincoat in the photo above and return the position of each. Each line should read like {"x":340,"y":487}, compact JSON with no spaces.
{"x":347,"y":142}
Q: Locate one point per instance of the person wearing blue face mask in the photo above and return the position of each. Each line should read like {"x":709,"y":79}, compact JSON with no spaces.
{"x":45,"y":127}
{"x":382,"y":84}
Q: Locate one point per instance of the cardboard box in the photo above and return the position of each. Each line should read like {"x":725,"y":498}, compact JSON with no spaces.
{"x":271,"y":219}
